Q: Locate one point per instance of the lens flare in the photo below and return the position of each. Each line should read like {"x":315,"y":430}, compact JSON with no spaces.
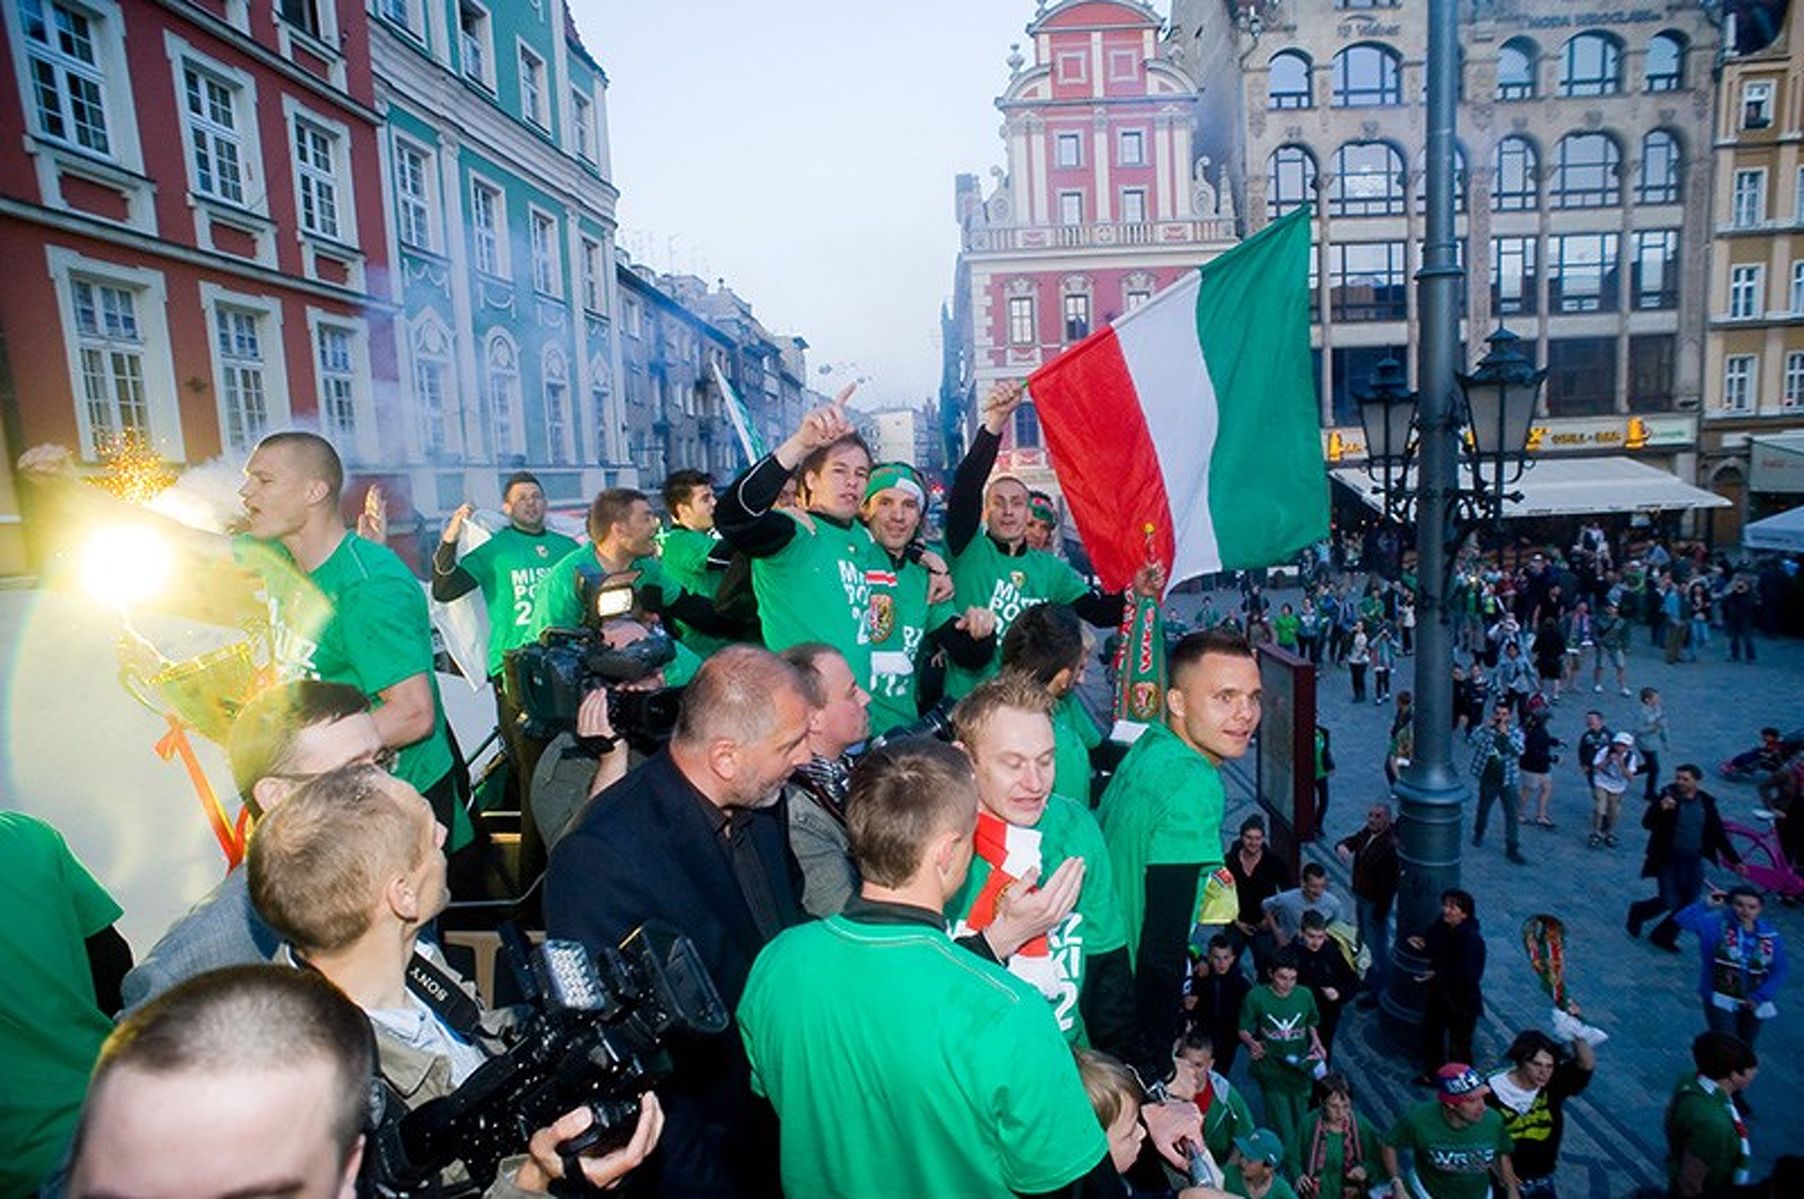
{"x":125,"y":565}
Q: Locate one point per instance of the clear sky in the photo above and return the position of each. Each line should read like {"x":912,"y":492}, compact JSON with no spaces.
{"x":804,"y":151}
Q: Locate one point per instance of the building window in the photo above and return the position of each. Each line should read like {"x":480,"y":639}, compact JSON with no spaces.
{"x":582,"y":125}
{"x":1756,"y":104}
{"x":1366,"y":76}
{"x":68,"y":87}
{"x":546,"y":277}
{"x":1289,"y":180}
{"x":488,"y":217}
{"x":1513,"y":276}
{"x":1651,"y":372}
{"x":594,"y":282}
{"x":1133,"y":205}
{"x":1591,"y":65}
{"x":1797,"y":287}
{"x":1516,"y":70}
{"x":1666,"y":62}
{"x":560,"y":443}
{"x":1744,"y":291}
{"x":532,"y":89}
{"x":1367,"y":281}
{"x":242,"y":397}
{"x":1027,"y":427}
{"x":503,"y":395}
{"x":1585,"y":172}
{"x":1073,"y":66}
{"x":1658,"y":180}
{"x":1583,"y":277}
{"x":1068,"y":150}
{"x":1798,"y":199}
{"x":1130,"y":148}
{"x":303,"y":15}
{"x":1134,"y":297}
{"x":1739,"y":382}
{"x":1518,"y":186}
{"x":1350,"y":372}
{"x":1077,"y":316}
{"x":473,"y":45}
{"x":316,"y":172}
{"x":110,"y":347}
{"x":1459,"y":180}
{"x":1021,"y":320}
{"x":210,"y":111}
{"x":1748,"y":202}
{"x":429,"y":391}
{"x":337,"y":384}
{"x":1071,"y":208}
{"x":400,"y":12}
{"x":413,"y":196}
{"x":635,"y":320}
{"x":1793,"y":398}
{"x":1288,"y":81}
{"x":1581,"y":376}
{"x":1654,"y":270}
{"x":1124,"y":66}
{"x":1367,"y":180}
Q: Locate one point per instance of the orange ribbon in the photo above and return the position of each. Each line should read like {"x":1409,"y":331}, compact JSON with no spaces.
{"x":230,"y":834}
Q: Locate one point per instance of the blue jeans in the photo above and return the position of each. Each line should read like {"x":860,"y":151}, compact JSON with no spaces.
{"x":1375,"y":931}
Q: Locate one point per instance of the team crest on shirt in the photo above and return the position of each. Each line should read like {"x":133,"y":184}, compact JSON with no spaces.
{"x":883,"y":616}
{"x":1018,"y":578}
{"x":543,"y":551}
{"x":1143,"y":700}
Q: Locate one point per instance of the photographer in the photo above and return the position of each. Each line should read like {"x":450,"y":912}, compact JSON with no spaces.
{"x":348,"y":870}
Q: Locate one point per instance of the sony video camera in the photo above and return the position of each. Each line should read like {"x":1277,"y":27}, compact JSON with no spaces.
{"x":597,"y":1036}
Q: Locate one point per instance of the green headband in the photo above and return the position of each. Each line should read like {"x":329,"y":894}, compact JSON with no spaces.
{"x":899,"y":475}
{"x":1040,"y":508}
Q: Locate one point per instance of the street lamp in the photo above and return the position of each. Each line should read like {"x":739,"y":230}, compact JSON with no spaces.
{"x":1387,"y":413}
{"x":1500,"y":407}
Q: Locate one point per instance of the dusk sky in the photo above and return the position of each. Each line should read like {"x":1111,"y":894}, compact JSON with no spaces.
{"x":804,"y":151}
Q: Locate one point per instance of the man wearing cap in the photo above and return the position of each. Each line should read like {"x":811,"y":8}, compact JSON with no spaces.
{"x":1458,"y":1143}
{"x":1611,"y":770}
{"x":1042,"y":522}
{"x":1254,"y":1173}
{"x":908,"y":623}
{"x":994,"y":565}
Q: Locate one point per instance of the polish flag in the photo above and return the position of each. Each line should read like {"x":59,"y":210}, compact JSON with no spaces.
{"x":1196,"y":415}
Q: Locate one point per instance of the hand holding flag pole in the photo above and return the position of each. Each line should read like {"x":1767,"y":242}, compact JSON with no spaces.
{"x":1140,"y":650}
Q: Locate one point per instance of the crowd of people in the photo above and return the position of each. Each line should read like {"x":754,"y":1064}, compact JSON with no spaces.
{"x":958,"y":957}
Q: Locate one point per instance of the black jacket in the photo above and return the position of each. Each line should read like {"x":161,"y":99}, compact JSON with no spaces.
{"x":1456,"y":955}
{"x":1662,"y":825}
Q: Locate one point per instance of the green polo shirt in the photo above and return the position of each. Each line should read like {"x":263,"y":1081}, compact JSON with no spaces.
{"x":901,"y":1064}
{"x":985,"y":577}
{"x":1699,"y":1122}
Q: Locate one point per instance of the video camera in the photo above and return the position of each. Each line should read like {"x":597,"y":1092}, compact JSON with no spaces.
{"x":549,"y":678}
{"x":596,"y":1037}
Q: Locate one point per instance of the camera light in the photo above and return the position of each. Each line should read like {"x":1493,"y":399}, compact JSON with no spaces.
{"x":123,"y":565}
{"x":613,"y":601}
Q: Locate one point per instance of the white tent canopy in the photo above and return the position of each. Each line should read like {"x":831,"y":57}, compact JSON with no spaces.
{"x":1570,"y":487}
{"x":1784,"y":532}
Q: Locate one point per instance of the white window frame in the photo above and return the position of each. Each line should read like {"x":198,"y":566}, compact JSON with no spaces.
{"x":242,"y":85}
{"x":1067,"y":141}
{"x":1795,"y":301}
{"x":1064,"y":212}
{"x":1755,"y":92}
{"x":1118,"y":74}
{"x":633,"y":321}
{"x":1072,"y":66}
{"x":278,"y":410}
{"x":62,"y":67}
{"x":1135,"y":137}
{"x":431,"y":347}
{"x":1134,"y":297}
{"x":483,"y":42}
{"x":535,"y":104}
{"x":1138,"y":194}
{"x":507,"y":372}
{"x":1791,"y":395}
{"x":338,"y":175}
{"x":1741,"y":382}
{"x":560,"y":439}
{"x":582,"y":126}
{"x":1021,"y":317}
{"x":498,"y":234}
{"x":361,"y":444}
{"x":417,"y":214}
{"x":547,"y":260}
{"x":403,"y":15}
{"x":1741,"y":216}
{"x":595,"y":284}
{"x":1745,"y":280}
{"x":156,"y":364}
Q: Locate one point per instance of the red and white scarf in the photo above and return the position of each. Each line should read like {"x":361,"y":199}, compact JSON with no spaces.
{"x":1011,"y":851}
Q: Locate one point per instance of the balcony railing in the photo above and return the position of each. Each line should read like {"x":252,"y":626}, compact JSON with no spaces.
{"x":1139,"y":233}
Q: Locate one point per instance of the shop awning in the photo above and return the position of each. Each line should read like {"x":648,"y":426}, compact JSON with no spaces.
{"x":1776,"y":462}
{"x":1572,"y":487}
{"x":1784,"y":532}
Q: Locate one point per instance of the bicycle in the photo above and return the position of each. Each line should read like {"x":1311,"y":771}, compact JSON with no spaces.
{"x":1764,"y":861}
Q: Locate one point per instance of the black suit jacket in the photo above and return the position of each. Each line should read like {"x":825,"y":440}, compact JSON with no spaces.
{"x":645,"y":850}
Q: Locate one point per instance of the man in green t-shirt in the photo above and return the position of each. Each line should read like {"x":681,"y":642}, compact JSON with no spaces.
{"x":898,"y":1062}
{"x":1278,"y":1024}
{"x":1025,"y":832}
{"x":1706,"y":1134}
{"x":912,"y":613}
{"x":1458,"y":1143}
{"x":1161,"y":817}
{"x":1046,"y":645}
{"x":694,"y":557}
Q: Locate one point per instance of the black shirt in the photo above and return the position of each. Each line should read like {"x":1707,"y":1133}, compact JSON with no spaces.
{"x":1268,"y":877}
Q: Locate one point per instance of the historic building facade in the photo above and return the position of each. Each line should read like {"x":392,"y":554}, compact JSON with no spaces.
{"x":1584,"y":212}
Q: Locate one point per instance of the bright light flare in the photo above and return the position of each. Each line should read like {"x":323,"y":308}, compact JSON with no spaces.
{"x":124,"y":565}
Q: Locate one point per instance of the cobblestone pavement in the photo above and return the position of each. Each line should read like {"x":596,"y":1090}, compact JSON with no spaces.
{"x":1644,"y":998}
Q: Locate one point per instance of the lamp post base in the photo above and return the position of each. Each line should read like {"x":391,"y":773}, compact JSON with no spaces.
{"x":1430,"y":820}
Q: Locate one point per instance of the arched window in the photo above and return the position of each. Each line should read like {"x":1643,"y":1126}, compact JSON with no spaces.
{"x":1591,"y":65}
{"x":1367,"y":76}
{"x":1666,"y":62}
{"x":435,"y":390}
{"x":1658,"y":180}
{"x":1516,"y":69}
{"x":1586,"y":172}
{"x":600,"y":385}
{"x":1289,"y":180}
{"x":560,"y":429}
{"x":1288,"y":81}
{"x":1367,"y":180}
{"x":501,"y":393}
{"x":1516,"y":183}
{"x":1459,"y":180}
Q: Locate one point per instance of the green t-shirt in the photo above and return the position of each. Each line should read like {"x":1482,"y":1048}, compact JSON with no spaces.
{"x":53,"y":1029}
{"x":1074,"y":736}
{"x":818,"y":588}
{"x":1235,"y":1183}
{"x":507,"y":567}
{"x":557,"y":603}
{"x":1281,"y":1024}
{"x":1699,"y":1122}
{"x":360,"y":618}
{"x":1298,"y":1156}
{"x":1284,"y":629}
{"x":1452,"y":1163}
{"x":900,"y":618}
{"x":985,"y":577}
{"x":1066,"y":830}
{"x":901,"y":1064}
{"x":684,"y":553}
{"x":1163,"y":807}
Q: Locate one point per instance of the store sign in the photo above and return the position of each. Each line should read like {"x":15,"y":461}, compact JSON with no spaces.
{"x":1568,"y":435}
